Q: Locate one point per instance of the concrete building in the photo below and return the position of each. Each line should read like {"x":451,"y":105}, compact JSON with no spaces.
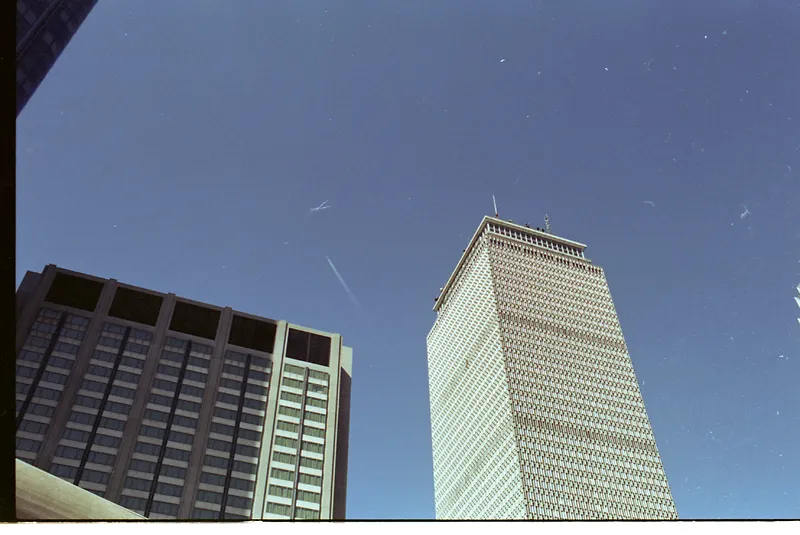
{"x":177,"y":409}
{"x":535,"y":408}
{"x":43,"y":496}
{"x":44,"y":28}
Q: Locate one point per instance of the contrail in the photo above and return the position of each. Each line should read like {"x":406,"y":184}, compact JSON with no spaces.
{"x":347,"y":289}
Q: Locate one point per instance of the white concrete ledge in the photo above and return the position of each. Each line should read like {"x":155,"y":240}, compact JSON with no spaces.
{"x":43,"y":496}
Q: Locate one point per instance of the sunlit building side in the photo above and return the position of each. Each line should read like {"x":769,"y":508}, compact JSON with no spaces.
{"x":535,"y":408}
{"x":177,"y":409}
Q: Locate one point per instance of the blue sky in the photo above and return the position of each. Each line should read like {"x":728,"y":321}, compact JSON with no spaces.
{"x":180,"y":145}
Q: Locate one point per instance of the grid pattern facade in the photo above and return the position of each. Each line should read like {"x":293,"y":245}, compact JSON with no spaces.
{"x":89,"y":443}
{"x":170,"y":425}
{"x":43,"y":368}
{"x":476,"y":473}
{"x":44,"y":28}
{"x":584,"y":446}
{"x":298,"y":450}
{"x":227,"y":480}
{"x":156,"y":476}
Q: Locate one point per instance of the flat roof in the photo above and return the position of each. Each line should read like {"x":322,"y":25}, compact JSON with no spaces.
{"x":511,"y":226}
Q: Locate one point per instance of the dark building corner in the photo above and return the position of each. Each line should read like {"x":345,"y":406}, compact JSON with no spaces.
{"x":342,"y":447}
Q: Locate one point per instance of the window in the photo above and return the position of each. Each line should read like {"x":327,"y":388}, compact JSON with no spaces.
{"x":156,"y":416}
{"x":230,"y":399}
{"x":107,"y":441}
{"x":68,"y":452}
{"x":243,"y":467}
{"x":239,"y":502}
{"x":258,"y":376}
{"x":209,"y":496}
{"x":76,"y":435}
{"x":167,"y":489}
{"x":233,"y":369}
{"x":308,"y":479}
{"x":301,"y":513}
{"x":313,"y":447}
{"x":219,"y":445}
{"x":65,"y":472}
{"x":289,"y":411}
{"x":278,"y":509}
{"x":224,"y":382}
{"x":189,"y":406}
{"x":311,"y":463}
{"x":276,"y":490}
{"x":287,"y":442}
{"x":147,"y":449}
{"x":222,"y":429}
{"x":153,"y":432}
{"x":321,"y":403}
{"x":288,"y":396}
{"x":158,"y":399}
{"x":162,"y":508}
{"x":254,"y":404}
{"x":190,"y":390}
{"x":32,"y":427}
{"x":23,"y":444}
{"x":184,"y":421}
{"x":252,"y":419}
{"x":284,"y":457}
{"x":139,"y":465}
{"x":132,"y":503}
{"x":258,"y":390}
{"x":212,"y":479}
{"x":319,"y":389}
{"x":315,"y":417}
{"x":288,"y":426}
{"x":314,"y":432}
{"x":47,"y":393}
{"x":285,"y":475}
{"x":291,"y":368}
{"x":225,"y":413}
{"x":198,"y":362}
{"x":204,"y":514}
{"x":181,"y":438}
{"x":247,"y":451}
{"x":134,"y":483}
{"x":95,"y":476}
{"x":247,"y":434}
{"x":117,"y":408}
{"x":195,"y":376}
{"x":216,"y":462}
{"x":100,"y":458}
{"x":242,"y":484}
{"x":306,"y":496}
{"x":112,"y":423}
{"x":176,"y":454}
{"x":127,"y":377}
{"x":168,"y":370}
{"x":100,"y":371}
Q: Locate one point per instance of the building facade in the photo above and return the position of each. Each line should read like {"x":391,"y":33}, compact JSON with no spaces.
{"x":177,"y":409}
{"x":536,"y":412}
{"x":44,"y":28}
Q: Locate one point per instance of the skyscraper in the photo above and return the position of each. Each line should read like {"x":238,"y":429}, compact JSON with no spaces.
{"x":177,"y":409}
{"x":535,"y":408}
{"x":44,"y":28}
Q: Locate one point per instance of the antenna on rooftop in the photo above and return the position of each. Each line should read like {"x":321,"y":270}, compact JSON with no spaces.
{"x":495,"y":205}
{"x":547,"y":223}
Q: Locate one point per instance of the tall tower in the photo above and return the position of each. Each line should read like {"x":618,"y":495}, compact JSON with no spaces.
{"x":44,"y":28}
{"x":535,"y":408}
{"x":177,"y":409}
